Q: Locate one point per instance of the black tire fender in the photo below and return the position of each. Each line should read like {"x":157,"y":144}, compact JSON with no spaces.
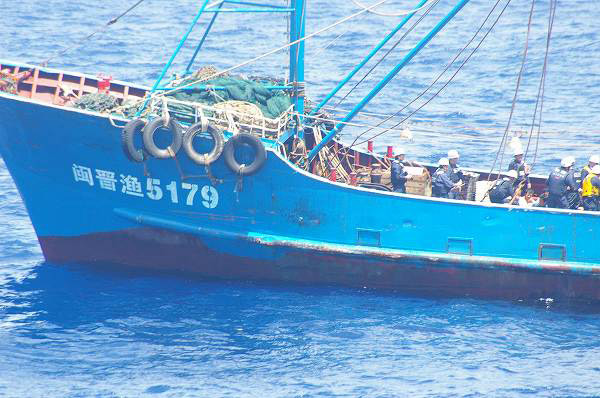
{"x":131,"y":128}
{"x":149,"y":144}
{"x":203,"y":159}
{"x":255,"y":144}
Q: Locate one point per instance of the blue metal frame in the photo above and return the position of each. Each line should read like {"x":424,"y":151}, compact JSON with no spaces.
{"x":296,"y":32}
{"x":296,"y":76}
{"x":366,"y":59}
{"x":206,"y":31}
{"x":386,"y":79}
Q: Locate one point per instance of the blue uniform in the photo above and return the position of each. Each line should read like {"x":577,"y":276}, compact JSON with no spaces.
{"x":441,"y":184}
{"x":503,"y":190}
{"x":519,"y":167}
{"x":399,"y":176}
{"x":455,"y":173}
{"x":573,"y":184}
{"x":558,"y":189}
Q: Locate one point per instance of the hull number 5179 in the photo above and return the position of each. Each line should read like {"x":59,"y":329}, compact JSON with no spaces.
{"x":132,"y":185}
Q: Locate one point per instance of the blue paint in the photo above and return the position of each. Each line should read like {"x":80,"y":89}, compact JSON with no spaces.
{"x":80,"y":331}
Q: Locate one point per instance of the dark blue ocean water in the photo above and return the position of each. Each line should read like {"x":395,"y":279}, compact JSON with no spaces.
{"x":74,"y":331}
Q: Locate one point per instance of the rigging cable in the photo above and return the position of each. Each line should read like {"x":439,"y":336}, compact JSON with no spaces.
{"x":451,"y":78}
{"x":383,"y":14}
{"x":387,"y":53}
{"x":101,"y":29}
{"x":227,"y":70}
{"x":542,"y":85}
{"x":502,"y":148}
{"x":354,"y":143}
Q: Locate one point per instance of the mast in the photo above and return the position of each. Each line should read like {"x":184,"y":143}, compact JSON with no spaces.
{"x":296,"y":76}
{"x":420,"y":45}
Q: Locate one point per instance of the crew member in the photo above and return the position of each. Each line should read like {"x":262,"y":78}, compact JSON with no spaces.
{"x":399,"y":175}
{"x":529,"y":200}
{"x":520,"y":167}
{"x":455,"y":173}
{"x":559,"y":186}
{"x":591,"y":190}
{"x":594,"y":160}
{"x":441,"y":184}
{"x":573,"y":181}
{"x":504,"y":190}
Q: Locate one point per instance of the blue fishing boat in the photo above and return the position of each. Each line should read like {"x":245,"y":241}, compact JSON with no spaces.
{"x":237,"y":178}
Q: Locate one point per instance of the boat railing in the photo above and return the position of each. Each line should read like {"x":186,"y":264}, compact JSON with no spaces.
{"x":234,"y":116}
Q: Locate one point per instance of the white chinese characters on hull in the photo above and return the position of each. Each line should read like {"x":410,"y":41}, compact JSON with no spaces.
{"x":132,"y":186}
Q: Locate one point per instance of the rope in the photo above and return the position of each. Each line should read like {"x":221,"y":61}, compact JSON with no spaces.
{"x":320,"y":50}
{"x":101,"y":29}
{"x":542,"y":85}
{"x":388,"y":52}
{"x":439,"y":76}
{"x":383,"y":14}
{"x":502,"y":148}
{"x":259,"y":57}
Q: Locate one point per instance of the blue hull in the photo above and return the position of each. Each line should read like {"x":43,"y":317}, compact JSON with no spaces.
{"x":88,"y":203}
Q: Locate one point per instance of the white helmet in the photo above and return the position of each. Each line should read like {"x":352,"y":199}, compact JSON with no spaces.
{"x":518,"y":152}
{"x":400,"y":151}
{"x":596,"y":169}
{"x":453,"y":154}
{"x":595,"y":159}
{"x":512,"y":173}
{"x":567,"y":161}
{"x":444,"y":162}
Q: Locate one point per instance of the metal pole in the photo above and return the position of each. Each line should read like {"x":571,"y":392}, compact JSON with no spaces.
{"x":168,"y":65}
{"x":299,"y":92}
{"x":387,"y":79}
{"x":208,"y":28}
{"x":366,"y":59}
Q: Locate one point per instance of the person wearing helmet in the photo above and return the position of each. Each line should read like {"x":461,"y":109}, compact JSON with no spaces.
{"x":504,"y":190}
{"x":573,"y":181}
{"x":593,"y":161}
{"x":398,"y":174}
{"x":591,"y":190}
{"x":520,"y":167}
{"x":455,"y":173}
{"x":559,"y":185}
{"x":441,"y":184}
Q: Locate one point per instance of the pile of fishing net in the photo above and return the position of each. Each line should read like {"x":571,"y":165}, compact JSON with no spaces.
{"x":254,"y":90}
{"x":96,"y":102}
{"x":232,"y":92}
